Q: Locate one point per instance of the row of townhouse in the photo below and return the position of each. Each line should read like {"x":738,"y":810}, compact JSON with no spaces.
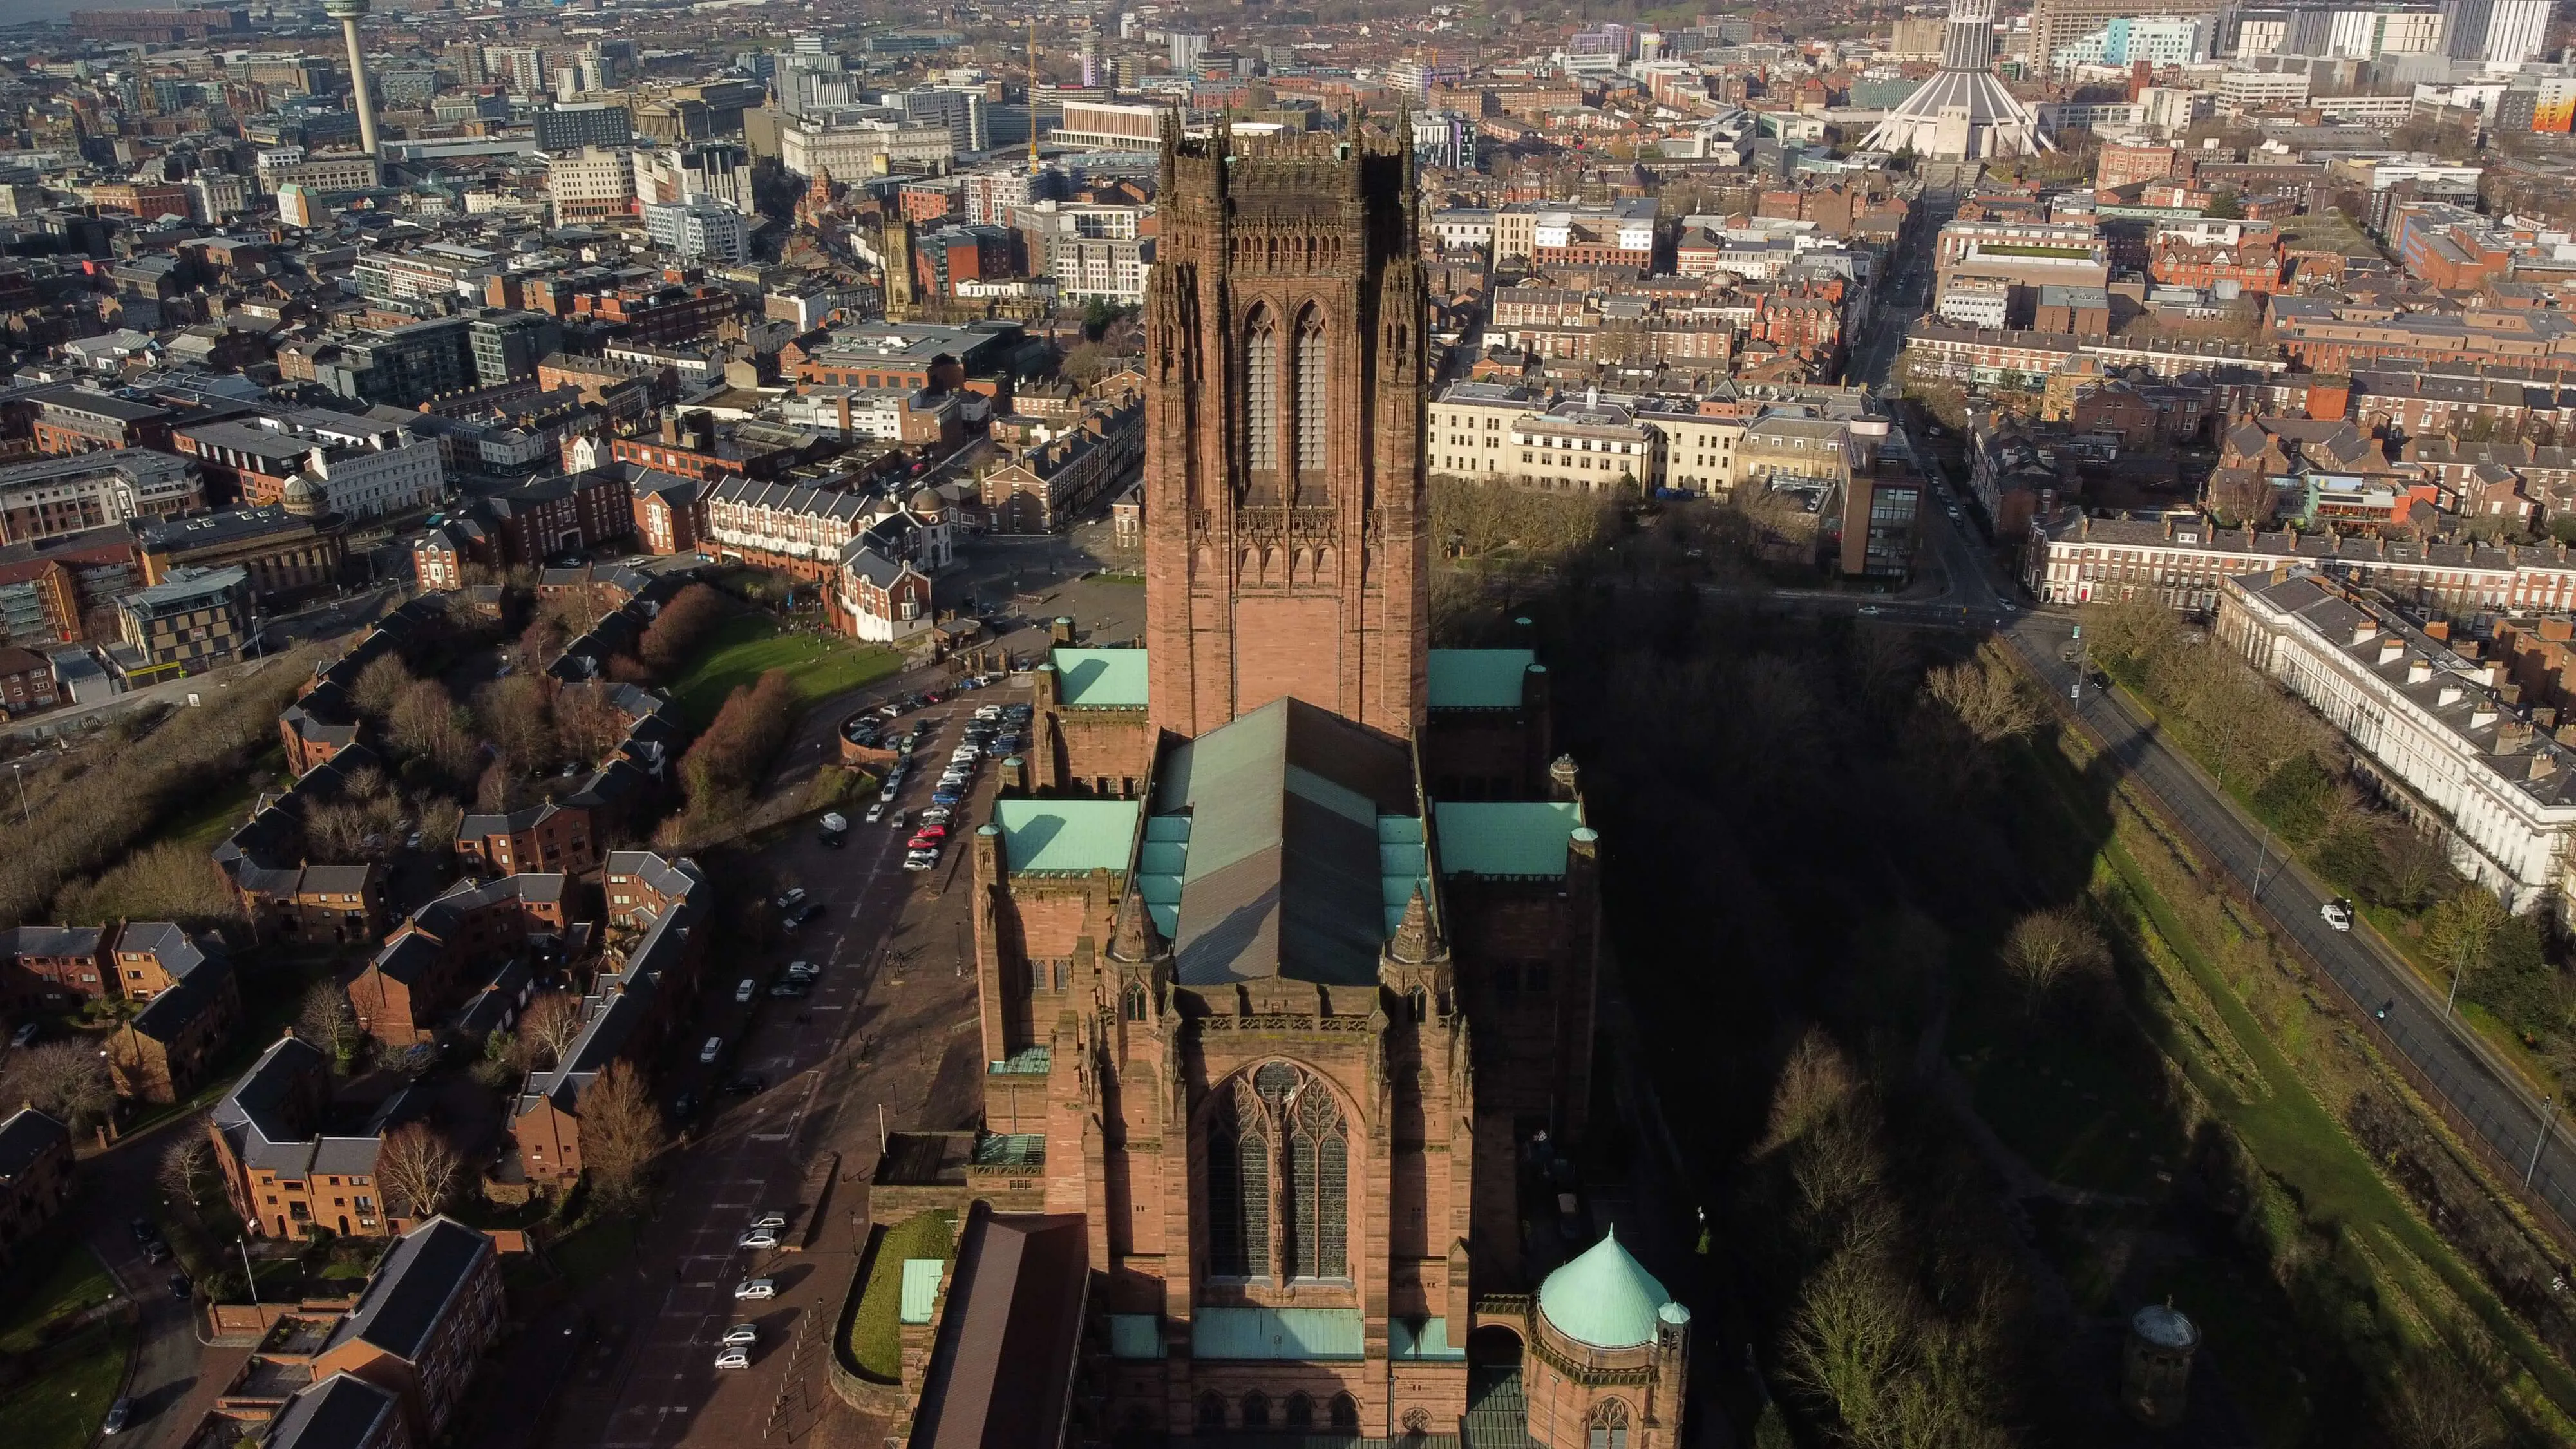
{"x":2182,"y":561}
{"x":1046,"y":485}
{"x":190,"y":1000}
{"x":1523,"y":436}
{"x":457,"y":947}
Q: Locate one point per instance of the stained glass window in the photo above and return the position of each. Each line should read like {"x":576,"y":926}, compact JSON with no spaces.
{"x":1261,"y":395}
{"x":1312,"y":380}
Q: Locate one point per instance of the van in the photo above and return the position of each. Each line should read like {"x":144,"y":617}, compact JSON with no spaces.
{"x":713,"y":1049}
{"x":746,"y":991}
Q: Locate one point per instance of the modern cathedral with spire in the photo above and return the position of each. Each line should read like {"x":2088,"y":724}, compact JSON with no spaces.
{"x":1286,"y":924}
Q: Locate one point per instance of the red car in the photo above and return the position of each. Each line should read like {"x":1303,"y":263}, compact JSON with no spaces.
{"x":931,"y":832}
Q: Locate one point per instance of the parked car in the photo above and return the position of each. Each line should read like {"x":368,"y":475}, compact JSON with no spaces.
{"x":749,"y":1084}
{"x":931,"y":832}
{"x":791,"y":988}
{"x":921,"y":860}
{"x":792,"y":899}
{"x":25,"y":1033}
{"x":181,"y":1288}
{"x":759,"y":1240}
{"x":946,"y":795}
{"x":747,"y":990}
{"x":937,"y":815}
{"x":2337,"y":913}
{"x":684,"y":1106}
{"x":898,"y":818}
{"x":876,"y":812}
{"x":713,"y":1049}
{"x":741,"y":1335}
{"x":733,"y":1358}
{"x":119,"y":1414}
{"x":803,"y":914}
{"x":156,"y":1252}
{"x":143,"y":1230}
{"x":756,"y":1288}
{"x":803,"y":970}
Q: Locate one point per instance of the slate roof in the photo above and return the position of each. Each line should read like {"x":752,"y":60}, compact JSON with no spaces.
{"x":412,"y":1289}
{"x":25,"y":1137}
{"x":1002,"y":1368}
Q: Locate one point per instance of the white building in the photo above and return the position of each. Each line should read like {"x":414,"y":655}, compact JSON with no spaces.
{"x":2253,"y":89}
{"x":367,"y":468}
{"x":2163,"y":40}
{"x":854,"y":146}
{"x":595,"y":183}
{"x":2446,"y":746}
{"x":698,"y":229}
{"x":1115,"y":271}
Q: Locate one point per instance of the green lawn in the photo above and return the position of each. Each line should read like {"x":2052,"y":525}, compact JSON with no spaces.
{"x":876,"y":1340}
{"x":61,"y":1405}
{"x":44,"y":1290}
{"x":750,"y":645}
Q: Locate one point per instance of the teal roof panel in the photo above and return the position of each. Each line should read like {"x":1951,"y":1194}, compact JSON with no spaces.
{"x":1478,"y":678}
{"x":1135,"y":1335}
{"x":920,"y":1288}
{"x":1066,"y":834}
{"x":1276,"y":1333}
{"x":1506,"y":837}
{"x":1421,"y":1338}
{"x":1100,"y":678}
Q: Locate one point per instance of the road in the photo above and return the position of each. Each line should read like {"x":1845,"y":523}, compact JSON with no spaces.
{"x":118,"y":1184}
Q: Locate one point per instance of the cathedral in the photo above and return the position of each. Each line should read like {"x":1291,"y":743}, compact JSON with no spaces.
{"x":1286,"y":925}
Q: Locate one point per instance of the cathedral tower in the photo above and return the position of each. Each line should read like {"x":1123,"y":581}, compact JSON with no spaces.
{"x":1286,"y":528}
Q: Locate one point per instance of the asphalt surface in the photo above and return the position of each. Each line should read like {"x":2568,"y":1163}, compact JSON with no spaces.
{"x":117,"y":1186}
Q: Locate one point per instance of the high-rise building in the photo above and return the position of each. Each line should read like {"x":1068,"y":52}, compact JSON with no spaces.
{"x":1185,"y":50}
{"x":2505,"y":31}
{"x":594,"y":123}
{"x":1962,"y":112}
{"x":2056,"y":24}
{"x":698,"y":230}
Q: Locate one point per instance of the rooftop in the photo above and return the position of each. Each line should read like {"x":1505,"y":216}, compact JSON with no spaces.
{"x":1100,"y":678}
{"x":1066,"y":835}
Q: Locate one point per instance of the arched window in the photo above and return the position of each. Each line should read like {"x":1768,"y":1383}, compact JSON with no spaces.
{"x":1419,"y":1002}
{"x":1346,"y":1414}
{"x":1312,"y":381}
{"x":1610,"y":1424}
{"x":1135,"y":1004}
{"x":1256,"y":1410}
{"x":1211,"y":1411}
{"x":1261,"y":393}
{"x":1301,"y":1411}
{"x":1278,"y":1112}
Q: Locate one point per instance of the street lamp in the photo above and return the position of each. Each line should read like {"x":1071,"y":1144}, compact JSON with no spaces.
{"x":247,"y":1275}
{"x":17,"y":772}
{"x":2548,"y":1119}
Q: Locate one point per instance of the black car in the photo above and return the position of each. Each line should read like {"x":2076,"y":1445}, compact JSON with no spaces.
{"x":181,"y":1288}
{"x":144,"y":1232}
{"x":686,"y":1106}
{"x":749,"y":1084}
{"x":790,"y":988}
{"x":156,"y":1252}
{"x":804,"y":913}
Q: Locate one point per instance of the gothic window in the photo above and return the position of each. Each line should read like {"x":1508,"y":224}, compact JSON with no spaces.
{"x":1419,"y":1003}
{"x":1256,"y":1411}
{"x":1610,"y":1425}
{"x":1312,"y":379}
{"x":1261,"y":394}
{"x":1301,"y":1412}
{"x":1211,"y":1411}
{"x":1134,"y":1009}
{"x":1346,"y":1414}
{"x":1279,"y":1152}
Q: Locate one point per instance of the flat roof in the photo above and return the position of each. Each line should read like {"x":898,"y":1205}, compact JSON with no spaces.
{"x":1066,"y":834}
{"x":1478,"y":678}
{"x":1505,"y":837}
{"x":1100,"y":678}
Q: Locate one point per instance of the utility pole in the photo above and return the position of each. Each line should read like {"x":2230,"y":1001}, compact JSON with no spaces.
{"x":2548,"y":1119}
{"x":2262,"y":854}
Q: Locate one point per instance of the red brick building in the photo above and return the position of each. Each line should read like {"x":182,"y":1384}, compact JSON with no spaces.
{"x":26,"y":681}
{"x":448,"y":948}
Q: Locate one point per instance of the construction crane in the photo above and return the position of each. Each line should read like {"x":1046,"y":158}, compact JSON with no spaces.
{"x":1033,"y":97}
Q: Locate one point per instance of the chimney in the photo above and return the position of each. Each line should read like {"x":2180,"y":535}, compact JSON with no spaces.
{"x":2482,"y":715}
{"x":2449,"y":696}
{"x":2544,"y":718}
{"x":2365,"y":631}
{"x":2419,"y":672}
{"x":2439,"y":629}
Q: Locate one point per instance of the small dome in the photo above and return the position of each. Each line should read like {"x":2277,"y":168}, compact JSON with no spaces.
{"x":2165,"y":1327}
{"x":304,"y":496}
{"x":1603,"y":1299}
{"x":926,"y":502}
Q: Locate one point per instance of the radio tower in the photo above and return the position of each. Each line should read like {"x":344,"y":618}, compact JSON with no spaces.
{"x":349,"y":13}
{"x":1033,"y":98}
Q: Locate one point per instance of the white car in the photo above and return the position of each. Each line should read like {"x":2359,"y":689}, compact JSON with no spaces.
{"x":2337,"y":914}
{"x":713,"y":1049}
{"x":876,"y":812}
{"x":734,"y":1358}
{"x":746,"y":991}
{"x":755,"y":1288}
{"x":769,"y":1222}
{"x":741,"y":1335}
{"x":803,"y":970}
{"x":759,"y":1240}
{"x":921,"y":860}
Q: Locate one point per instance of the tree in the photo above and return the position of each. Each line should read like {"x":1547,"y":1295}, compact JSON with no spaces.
{"x":681,"y":626}
{"x":1985,"y":696}
{"x":188,"y":1163}
{"x":66,"y":1080}
{"x":418,"y":1169}
{"x":551,"y":1025}
{"x":587,"y":724}
{"x":2462,"y":932}
{"x":439,"y":817}
{"x":621,"y":1134}
{"x":2045,"y":946}
{"x":380,"y":685}
{"x":427,"y":723}
{"x":327,"y":1021}
{"x":517,"y":716}
{"x":2224,"y":206}
{"x":2241,"y":496}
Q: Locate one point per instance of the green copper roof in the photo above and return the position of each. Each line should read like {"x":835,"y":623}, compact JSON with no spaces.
{"x":920,"y":1288}
{"x":1478,"y":678}
{"x":1603,"y":1299}
{"x":1065,"y":834}
{"x":1505,"y":837}
{"x":1100,"y":678}
{"x":1289,"y":1333}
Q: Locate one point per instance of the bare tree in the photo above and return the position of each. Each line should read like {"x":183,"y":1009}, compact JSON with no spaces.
{"x":66,"y":1080}
{"x":427,"y":723}
{"x":549,"y":1028}
{"x":2045,"y":946}
{"x":380,"y":685}
{"x":188,"y":1163}
{"x":517,"y":716}
{"x":2437,"y":1406}
{"x":587,"y":725}
{"x":327,"y":1021}
{"x":439,"y":817}
{"x":2416,"y":864}
{"x":419,"y":1170}
{"x":1985,"y":696}
{"x":621,"y":1134}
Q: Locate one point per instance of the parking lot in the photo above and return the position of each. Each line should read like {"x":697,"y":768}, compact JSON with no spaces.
{"x":888,"y":1027}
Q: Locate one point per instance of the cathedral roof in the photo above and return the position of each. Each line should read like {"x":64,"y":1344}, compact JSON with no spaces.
{"x":1604,"y":1299}
{"x":1281,"y":872}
